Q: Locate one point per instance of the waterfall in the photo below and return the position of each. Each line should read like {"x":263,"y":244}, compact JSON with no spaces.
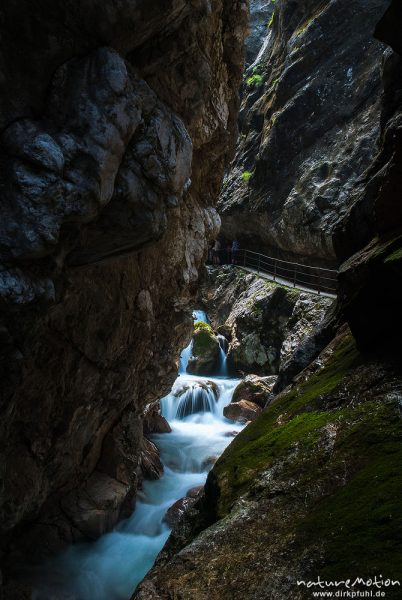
{"x":189,"y":396}
{"x":223,"y":359}
{"x":185,"y":357}
{"x":198,"y":315}
{"x":111,"y":567}
{"x":201,"y":315}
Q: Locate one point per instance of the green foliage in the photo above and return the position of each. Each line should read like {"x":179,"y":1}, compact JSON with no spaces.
{"x":201,"y":325}
{"x":254,"y":80}
{"x":271,"y":21}
{"x":246,"y":176}
{"x":394,"y":257}
{"x":303,"y":28}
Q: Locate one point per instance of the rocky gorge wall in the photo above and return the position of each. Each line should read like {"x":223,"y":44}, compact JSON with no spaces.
{"x":112,"y":117}
{"x":309,"y":128}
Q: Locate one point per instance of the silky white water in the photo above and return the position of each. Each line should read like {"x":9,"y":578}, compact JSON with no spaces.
{"x":111,"y":567}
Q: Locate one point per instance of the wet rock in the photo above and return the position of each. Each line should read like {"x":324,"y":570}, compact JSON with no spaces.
{"x":209,"y":462}
{"x":195,"y":397}
{"x":260,"y":15}
{"x":95,"y":509}
{"x":150,"y":463}
{"x":254,"y":389}
{"x":242,"y":411}
{"x":230,"y":433}
{"x":205,"y":352}
{"x":154,"y":422}
{"x":177,"y":510}
{"x":195,"y":491}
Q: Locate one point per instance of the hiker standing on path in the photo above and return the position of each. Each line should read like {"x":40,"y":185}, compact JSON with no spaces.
{"x":216,"y":252}
{"x":235,"y":251}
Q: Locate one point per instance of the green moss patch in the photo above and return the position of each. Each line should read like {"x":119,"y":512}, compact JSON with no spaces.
{"x":360,"y":522}
{"x":293,"y":419}
{"x":201,"y":325}
{"x":334,"y":444}
{"x":394,"y":256}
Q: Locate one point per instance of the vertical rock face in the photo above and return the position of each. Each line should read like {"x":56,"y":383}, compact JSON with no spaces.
{"x":370,"y":279}
{"x":113,"y":116}
{"x":309,"y":127}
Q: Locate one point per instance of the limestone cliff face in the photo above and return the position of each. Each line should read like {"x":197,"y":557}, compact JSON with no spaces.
{"x":309,"y":127}
{"x":113,"y":118}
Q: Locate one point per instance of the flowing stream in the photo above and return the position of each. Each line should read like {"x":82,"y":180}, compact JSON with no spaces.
{"x":111,"y":567}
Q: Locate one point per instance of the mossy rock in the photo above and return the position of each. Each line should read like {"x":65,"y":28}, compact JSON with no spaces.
{"x":205,"y":352}
{"x":334,"y":445}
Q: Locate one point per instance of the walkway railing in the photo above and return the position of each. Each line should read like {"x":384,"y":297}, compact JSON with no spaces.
{"x":304,"y":277}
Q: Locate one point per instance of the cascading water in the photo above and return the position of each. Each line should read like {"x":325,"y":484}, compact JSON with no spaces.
{"x":223,"y":344}
{"x":111,"y":567}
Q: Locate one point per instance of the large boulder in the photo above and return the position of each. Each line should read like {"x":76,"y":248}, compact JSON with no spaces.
{"x":96,"y":508}
{"x":242,"y":411}
{"x":154,"y":422}
{"x":177,"y":510}
{"x":255,"y":389}
{"x":205,"y":351}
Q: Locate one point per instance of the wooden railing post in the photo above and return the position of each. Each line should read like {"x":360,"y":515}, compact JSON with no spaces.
{"x":319,"y":282}
{"x":275,"y":263}
{"x":244,"y":258}
{"x":259,"y":263}
{"x":294,"y":278}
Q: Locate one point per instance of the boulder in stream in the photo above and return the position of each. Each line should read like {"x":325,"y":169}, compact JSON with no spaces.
{"x":255,"y":389}
{"x":154,"y":422}
{"x":177,"y":510}
{"x":242,"y":411}
{"x":96,"y":508}
{"x":205,"y":351}
{"x":150,"y":463}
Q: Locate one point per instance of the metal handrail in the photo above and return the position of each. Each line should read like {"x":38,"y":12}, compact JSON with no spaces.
{"x":321,"y":280}
{"x":288,"y":262}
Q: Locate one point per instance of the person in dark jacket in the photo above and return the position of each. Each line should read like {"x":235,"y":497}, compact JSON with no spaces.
{"x":235,"y":252}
